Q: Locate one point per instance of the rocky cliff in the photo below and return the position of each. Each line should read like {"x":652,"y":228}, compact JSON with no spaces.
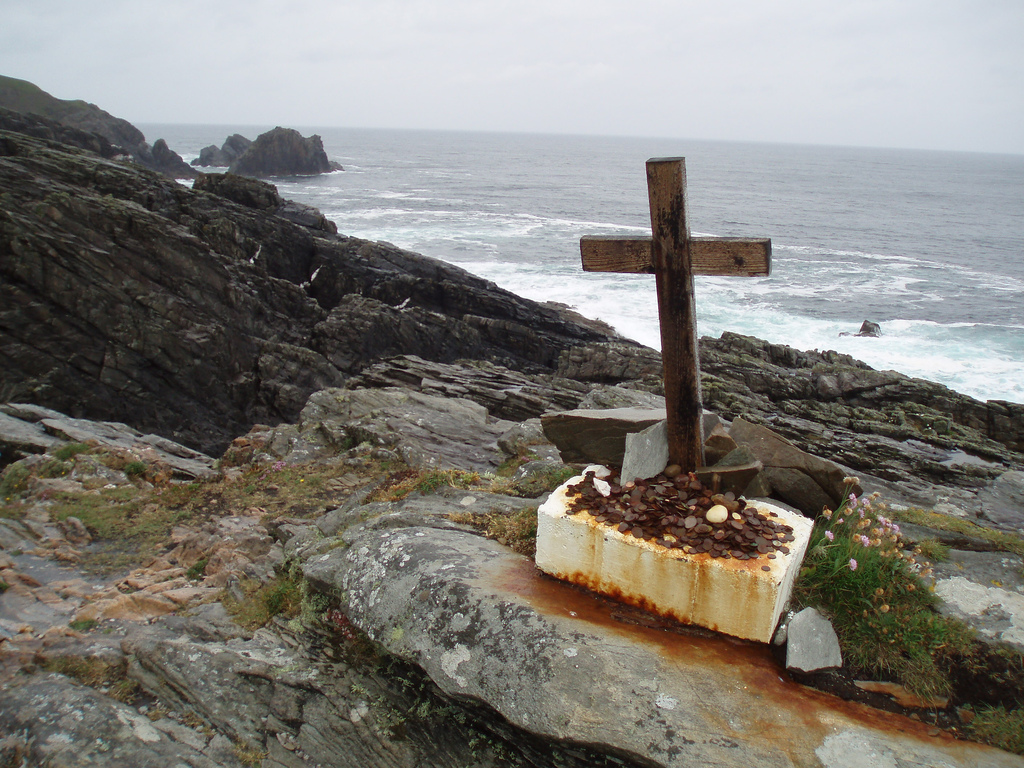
{"x":195,"y":313}
{"x":24,"y":97}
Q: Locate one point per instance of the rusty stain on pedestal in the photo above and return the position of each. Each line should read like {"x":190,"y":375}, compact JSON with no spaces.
{"x":736,"y":597}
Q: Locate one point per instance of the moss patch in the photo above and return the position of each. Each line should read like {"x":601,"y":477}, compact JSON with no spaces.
{"x":399,"y":485}
{"x":96,"y":673}
{"x":518,"y":530}
{"x":262,"y":602}
{"x":1000,"y":540}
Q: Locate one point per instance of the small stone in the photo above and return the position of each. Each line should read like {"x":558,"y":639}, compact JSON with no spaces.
{"x":812,"y":644}
{"x":646,"y":453}
{"x":717,"y":514}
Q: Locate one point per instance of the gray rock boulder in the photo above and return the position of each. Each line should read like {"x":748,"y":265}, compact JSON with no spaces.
{"x":597,"y":436}
{"x":985,"y":590}
{"x":303,"y":708}
{"x":425,"y":430}
{"x":557,"y":663}
{"x":28,"y":429}
{"x":19,"y":438}
{"x":505,"y":393}
{"x":646,"y":453}
{"x":49,"y":720}
{"x":807,"y":482}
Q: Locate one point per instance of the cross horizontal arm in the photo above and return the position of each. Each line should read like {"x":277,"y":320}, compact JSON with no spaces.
{"x":722,"y":256}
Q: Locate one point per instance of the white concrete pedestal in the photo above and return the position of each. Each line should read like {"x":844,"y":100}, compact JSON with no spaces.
{"x":732,"y":596}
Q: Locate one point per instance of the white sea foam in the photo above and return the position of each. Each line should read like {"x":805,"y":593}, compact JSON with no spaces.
{"x":945,"y":353}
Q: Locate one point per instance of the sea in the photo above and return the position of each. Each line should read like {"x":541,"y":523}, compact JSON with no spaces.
{"x":929,"y":245}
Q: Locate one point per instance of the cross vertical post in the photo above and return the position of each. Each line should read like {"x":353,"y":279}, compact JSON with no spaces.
{"x":666,"y":191}
{"x":674,"y":258}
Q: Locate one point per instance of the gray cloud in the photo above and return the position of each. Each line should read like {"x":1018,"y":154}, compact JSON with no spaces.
{"x":942,"y":74}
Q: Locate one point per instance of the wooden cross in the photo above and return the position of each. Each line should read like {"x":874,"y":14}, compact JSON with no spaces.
{"x":674,"y":258}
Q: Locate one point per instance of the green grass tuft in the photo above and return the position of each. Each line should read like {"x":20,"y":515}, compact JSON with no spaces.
{"x":1000,"y":728}
{"x":198,"y":569}
{"x":68,"y":451}
{"x":401,"y":484}
{"x":135,"y":468}
{"x":933,"y":550}
{"x":14,"y":481}
{"x":857,"y":573}
{"x":281,"y":596}
{"x":97,"y":673}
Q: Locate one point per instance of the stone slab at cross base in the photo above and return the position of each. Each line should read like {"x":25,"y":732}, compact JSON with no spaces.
{"x":567,"y":665}
{"x":599,"y":436}
{"x":736,"y":597}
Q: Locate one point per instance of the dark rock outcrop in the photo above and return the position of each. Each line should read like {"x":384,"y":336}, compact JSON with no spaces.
{"x":252,"y":193}
{"x":232,"y":149}
{"x":505,"y":394}
{"x":169,"y":162}
{"x":284,"y":152}
{"x":52,"y":130}
{"x":899,"y":429}
{"x":22,"y":96}
{"x":125,"y":296}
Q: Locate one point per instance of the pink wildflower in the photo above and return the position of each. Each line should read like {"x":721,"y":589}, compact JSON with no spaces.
{"x":830,"y":536}
{"x":839,"y":521}
{"x":853,"y":564}
{"x":865,"y":540}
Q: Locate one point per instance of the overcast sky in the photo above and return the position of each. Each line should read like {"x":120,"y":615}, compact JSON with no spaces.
{"x":929,"y":74}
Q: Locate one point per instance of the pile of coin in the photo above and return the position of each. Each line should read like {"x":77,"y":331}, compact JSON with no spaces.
{"x":681,"y":513}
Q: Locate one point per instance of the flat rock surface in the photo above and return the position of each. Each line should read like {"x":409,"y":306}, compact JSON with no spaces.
{"x":119,"y":735}
{"x":425,"y":430}
{"x":597,"y":436}
{"x":1002,"y":501}
{"x":986,"y":590}
{"x":470,"y":613}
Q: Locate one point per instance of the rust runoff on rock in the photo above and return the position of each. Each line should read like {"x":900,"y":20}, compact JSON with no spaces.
{"x":749,"y":665}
